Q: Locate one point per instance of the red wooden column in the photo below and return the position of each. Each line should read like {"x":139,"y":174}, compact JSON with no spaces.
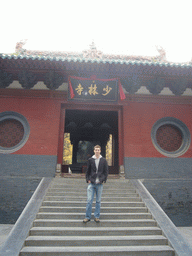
{"x":61,"y":137}
{"x":121,"y":137}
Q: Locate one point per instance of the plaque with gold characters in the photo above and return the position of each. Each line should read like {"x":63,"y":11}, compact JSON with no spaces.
{"x":89,"y":89}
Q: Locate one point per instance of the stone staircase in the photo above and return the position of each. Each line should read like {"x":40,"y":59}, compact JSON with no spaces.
{"x":126,"y":226}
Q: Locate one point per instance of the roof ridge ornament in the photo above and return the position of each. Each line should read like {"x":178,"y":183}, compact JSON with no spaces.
{"x":92,"y":52}
{"x":92,"y":46}
{"x":162,"y":53}
{"x":19,"y":46}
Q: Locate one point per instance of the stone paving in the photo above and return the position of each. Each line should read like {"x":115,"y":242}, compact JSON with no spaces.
{"x":4,"y":232}
{"x":187,"y":233}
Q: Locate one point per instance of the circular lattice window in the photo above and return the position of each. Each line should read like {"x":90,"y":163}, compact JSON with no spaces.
{"x":14,"y":132}
{"x":170,"y":137}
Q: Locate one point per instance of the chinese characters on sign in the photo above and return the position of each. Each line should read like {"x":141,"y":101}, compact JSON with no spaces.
{"x":87,"y":89}
{"x":107,"y":90}
{"x":93,"y":89}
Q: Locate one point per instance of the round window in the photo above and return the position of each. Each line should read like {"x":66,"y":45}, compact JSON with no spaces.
{"x":170,"y":137}
{"x":14,"y":132}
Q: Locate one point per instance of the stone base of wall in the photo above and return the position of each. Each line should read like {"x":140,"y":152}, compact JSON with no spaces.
{"x":19,"y":177}
{"x":15,"y":192}
{"x":174,"y":197}
{"x":154,"y":168}
{"x":169,"y":180}
{"x":27,"y":165}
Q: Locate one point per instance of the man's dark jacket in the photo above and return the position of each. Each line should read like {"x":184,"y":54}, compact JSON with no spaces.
{"x":102,"y":170}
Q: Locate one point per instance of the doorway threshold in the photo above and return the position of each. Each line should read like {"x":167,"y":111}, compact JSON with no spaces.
{"x":82,"y":175}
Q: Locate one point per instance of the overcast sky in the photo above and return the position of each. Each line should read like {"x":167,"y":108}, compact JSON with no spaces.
{"x":118,"y":27}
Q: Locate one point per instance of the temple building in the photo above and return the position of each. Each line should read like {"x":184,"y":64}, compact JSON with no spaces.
{"x":137,"y":108}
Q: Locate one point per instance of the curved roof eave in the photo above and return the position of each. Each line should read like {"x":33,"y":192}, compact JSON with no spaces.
{"x":95,"y":60}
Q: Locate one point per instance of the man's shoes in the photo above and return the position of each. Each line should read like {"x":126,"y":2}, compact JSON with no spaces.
{"x":86,"y":220}
{"x":97,"y":220}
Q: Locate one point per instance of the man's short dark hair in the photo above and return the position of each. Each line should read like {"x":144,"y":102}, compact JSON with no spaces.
{"x":97,"y":146}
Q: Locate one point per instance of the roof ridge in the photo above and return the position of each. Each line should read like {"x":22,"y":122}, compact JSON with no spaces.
{"x":91,"y":53}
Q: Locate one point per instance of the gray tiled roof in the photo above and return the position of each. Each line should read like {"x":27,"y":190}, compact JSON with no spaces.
{"x":96,"y":60}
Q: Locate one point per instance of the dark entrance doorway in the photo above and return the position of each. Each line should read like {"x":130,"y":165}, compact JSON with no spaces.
{"x":88,"y":128}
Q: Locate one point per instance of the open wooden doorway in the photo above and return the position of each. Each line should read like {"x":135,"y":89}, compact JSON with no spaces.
{"x":83,"y":130}
{"x":99,"y":112}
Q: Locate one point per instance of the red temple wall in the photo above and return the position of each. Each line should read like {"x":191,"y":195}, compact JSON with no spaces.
{"x":139,"y":119}
{"x":43,"y":116}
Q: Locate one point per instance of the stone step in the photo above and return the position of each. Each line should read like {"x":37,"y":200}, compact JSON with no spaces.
{"x":84,"y":195}
{"x":84,"y":187}
{"x":107,"y":185}
{"x":76,"y":181}
{"x":84,"y":198}
{"x":103,"y":223}
{"x":105,"y":216}
{"x":162,"y":250}
{"x":126,"y":227}
{"x":84,"y":191}
{"x":83,"y":204}
{"x":95,"y":240}
{"x":81,"y":176}
{"x":103,"y":209}
{"x":76,"y":191}
{"x":104,"y":194}
{"x":95,"y":231}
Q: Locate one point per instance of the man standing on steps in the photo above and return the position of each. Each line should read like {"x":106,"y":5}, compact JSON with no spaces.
{"x":97,"y":171}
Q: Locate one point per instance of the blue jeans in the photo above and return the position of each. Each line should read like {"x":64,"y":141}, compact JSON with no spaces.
{"x":91,"y":189}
